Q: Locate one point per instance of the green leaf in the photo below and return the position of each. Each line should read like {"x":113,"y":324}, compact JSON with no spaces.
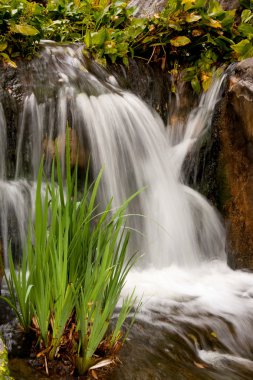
{"x":244,"y":49}
{"x":246,"y":30}
{"x":3,"y":45}
{"x":180,"y":41}
{"x":125,"y":61}
{"x":87,"y":39}
{"x":25,"y":29}
{"x":245,"y":3}
{"x":200,"y":3}
{"x":214,"y":7}
{"x":98,"y":38}
{"x":228,"y":20}
{"x":189,"y":73}
{"x":196,"y":85}
{"x":8,"y":60}
{"x":28,"y":292}
{"x":222,"y":43}
{"x":149,"y":39}
{"x":192,"y":17}
{"x":246,"y":15}
{"x":188,"y":4}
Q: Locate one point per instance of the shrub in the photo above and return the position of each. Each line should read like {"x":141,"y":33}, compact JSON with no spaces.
{"x":196,"y":35}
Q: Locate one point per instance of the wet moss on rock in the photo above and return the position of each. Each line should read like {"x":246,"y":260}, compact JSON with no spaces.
{"x":4,"y":370}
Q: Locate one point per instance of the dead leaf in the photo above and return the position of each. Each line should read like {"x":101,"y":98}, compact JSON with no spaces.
{"x":102,"y":363}
{"x":94,"y":374}
{"x":214,"y":23}
{"x":46,"y":366}
{"x":192,"y":17}
{"x":200,"y":365}
{"x":197,"y":32}
{"x":163,"y":63}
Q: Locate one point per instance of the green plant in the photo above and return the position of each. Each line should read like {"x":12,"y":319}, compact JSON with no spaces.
{"x":196,"y":35}
{"x":73,"y":269}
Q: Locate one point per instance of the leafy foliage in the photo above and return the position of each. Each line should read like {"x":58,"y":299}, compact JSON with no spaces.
{"x":194,"y":34}
{"x":72,"y":272}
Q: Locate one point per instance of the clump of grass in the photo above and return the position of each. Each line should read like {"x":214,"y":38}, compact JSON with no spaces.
{"x":72,"y":271}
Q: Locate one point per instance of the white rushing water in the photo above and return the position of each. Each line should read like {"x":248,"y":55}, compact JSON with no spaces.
{"x":16,"y":200}
{"x":180,"y":236}
{"x":178,"y":225}
{"x":3,"y":143}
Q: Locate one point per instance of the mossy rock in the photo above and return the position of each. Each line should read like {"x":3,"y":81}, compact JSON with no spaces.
{"x":4,"y":370}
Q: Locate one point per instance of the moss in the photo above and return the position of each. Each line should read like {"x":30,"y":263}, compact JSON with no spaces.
{"x":4,"y":370}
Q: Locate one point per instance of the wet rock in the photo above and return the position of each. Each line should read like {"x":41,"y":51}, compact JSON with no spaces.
{"x":147,"y":8}
{"x":229,"y":4}
{"x":4,"y":370}
{"x":1,"y":265}
{"x":235,"y":127}
{"x":77,"y":152}
{"x":17,"y":342}
{"x":148,"y":81}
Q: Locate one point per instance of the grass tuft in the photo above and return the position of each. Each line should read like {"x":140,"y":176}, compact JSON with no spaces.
{"x":72,"y":270}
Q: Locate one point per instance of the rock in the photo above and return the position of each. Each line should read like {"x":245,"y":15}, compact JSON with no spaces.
{"x":229,"y":4}
{"x":77,"y":152}
{"x":147,"y":8}
{"x":235,"y":126}
{"x":149,"y":82}
{"x":4,"y":370}
{"x":1,"y":265}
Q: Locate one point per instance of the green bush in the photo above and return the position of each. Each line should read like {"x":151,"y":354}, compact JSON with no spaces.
{"x":195,"y":35}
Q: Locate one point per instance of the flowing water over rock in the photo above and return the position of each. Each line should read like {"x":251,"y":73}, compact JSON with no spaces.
{"x":197,"y":315}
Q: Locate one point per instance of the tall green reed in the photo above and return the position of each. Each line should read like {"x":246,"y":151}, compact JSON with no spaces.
{"x":73,"y":268}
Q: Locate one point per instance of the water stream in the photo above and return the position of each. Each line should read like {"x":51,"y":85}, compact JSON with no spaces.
{"x":196,"y":318}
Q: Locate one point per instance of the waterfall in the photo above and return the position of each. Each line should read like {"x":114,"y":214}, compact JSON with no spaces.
{"x":174,"y":224}
{"x":3,"y":143}
{"x":182,"y":271}
{"x":16,"y":199}
{"x":131,"y":142}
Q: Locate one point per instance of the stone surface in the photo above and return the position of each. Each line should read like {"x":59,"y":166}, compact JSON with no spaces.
{"x":235,"y":126}
{"x":229,"y":4}
{"x":77,"y":152}
{"x":4,"y":370}
{"x":147,"y":8}
{"x":1,"y":265}
{"x":149,"y":82}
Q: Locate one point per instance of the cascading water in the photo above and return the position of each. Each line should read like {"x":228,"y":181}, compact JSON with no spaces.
{"x":188,"y":290}
{"x":3,"y":143}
